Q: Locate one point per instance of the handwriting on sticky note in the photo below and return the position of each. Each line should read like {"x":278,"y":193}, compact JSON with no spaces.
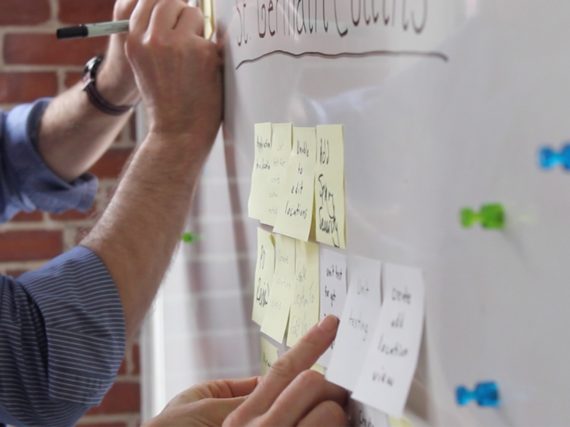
{"x":296,"y":210}
{"x":261,"y":170}
{"x":333,"y":289}
{"x":365,"y":416}
{"x":269,"y":355}
{"x":329,"y":186}
{"x":390,"y":363}
{"x":277,"y":310}
{"x":305,"y":305}
{"x":264,"y":270}
{"x":358,"y":318}
{"x":282,"y":135}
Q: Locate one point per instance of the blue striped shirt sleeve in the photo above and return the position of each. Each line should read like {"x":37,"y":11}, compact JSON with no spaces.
{"x":62,"y":340}
{"x":26,"y":182}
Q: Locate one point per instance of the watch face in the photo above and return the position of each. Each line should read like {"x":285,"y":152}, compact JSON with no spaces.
{"x":91,"y":67}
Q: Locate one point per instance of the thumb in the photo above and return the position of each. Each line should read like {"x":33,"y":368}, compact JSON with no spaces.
{"x":214,"y":411}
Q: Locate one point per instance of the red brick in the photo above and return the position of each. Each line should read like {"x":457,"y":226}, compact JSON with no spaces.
{"x":24,"y":12}
{"x":74,"y":215}
{"x":28,"y":217}
{"x":25,"y":87}
{"x":72,"y":78}
{"x":123,"y":368}
{"x":45,"y":49}
{"x":136,"y":357}
{"x":112,"y":163}
{"x":30,"y":245}
{"x":124,"y":397}
{"x":80,"y":12}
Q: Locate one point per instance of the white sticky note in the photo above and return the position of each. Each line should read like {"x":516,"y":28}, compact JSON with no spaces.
{"x":295,"y":215}
{"x":261,"y":170}
{"x":359,"y":317}
{"x":333,"y":289}
{"x":277,"y":310}
{"x":264,"y":269}
{"x":365,"y":416}
{"x":386,"y":376}
{"x":329,"y":186}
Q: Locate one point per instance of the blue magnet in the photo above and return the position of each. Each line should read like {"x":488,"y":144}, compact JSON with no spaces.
{"x":549,"y":158}
{"x":485,"y":394}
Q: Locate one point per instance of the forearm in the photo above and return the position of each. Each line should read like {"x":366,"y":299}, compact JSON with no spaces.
{"x":139,"y":231}
{"x":73,"y":133}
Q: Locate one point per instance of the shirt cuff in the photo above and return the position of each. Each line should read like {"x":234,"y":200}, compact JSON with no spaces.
{"x":84,"y":325}
{"x":39,"y":186}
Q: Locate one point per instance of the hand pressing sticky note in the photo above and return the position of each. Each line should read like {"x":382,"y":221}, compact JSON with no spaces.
{"x":261,"y":170}
{"x":282,"y":136}
{"x":305,"y":305}
{"x":356,"y":323}
{"x":329,"y":187}
{"x":386,"y":376}
{"x":269,"y":355}
{"x":333,"y":289}
{"x":264,"y":271}
{"x":296,"y":209}
{"x":282,"y":287}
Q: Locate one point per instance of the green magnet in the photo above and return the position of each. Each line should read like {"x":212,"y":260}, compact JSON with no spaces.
{"x":189,"y":237}
{"x":491,"y":216}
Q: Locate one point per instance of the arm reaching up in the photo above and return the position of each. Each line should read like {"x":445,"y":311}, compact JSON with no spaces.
{"x":179,"y":76}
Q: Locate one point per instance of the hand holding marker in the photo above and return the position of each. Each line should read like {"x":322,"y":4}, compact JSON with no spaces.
{"x":114,"y":27}
{"x":93,"y":30}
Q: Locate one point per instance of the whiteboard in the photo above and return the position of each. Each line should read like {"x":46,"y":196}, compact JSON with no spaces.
{"x":445,"y":105}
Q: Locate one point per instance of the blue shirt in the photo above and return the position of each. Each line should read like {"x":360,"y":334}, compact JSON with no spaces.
{"x":62,"y":333}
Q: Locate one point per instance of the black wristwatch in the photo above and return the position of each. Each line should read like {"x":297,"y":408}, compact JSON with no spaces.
{"x":90,"y":87}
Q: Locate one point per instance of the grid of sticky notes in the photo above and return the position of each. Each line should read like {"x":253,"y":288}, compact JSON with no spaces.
{"x":297,"y":183}
{"x":298,"y":196}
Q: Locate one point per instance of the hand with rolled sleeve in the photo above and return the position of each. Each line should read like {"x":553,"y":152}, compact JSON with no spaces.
{"x":289,"y":395}
{"x":74,"y":134}
{"x":177,"y":69}
{"x":68,"y":321}
{"x":178,"y":73}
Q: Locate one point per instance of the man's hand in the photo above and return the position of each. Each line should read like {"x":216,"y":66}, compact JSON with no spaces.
{"x":292,"y":395}
{"x":179,"y":76}
{"x":206,"y":404}
{"x":116,"y":80}
{"x":289,"y":395}
{"x":169,"y":56}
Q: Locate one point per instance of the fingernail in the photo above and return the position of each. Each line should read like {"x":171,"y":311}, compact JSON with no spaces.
{"x":329,"y":323}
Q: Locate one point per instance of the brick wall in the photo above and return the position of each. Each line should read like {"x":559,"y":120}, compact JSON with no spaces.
{"x":33,"y":64}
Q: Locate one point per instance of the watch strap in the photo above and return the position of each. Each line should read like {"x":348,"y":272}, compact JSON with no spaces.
{"x":95,"y":97}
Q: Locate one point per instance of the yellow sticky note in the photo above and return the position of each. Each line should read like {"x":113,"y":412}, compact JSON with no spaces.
{"x":277,"y":311}
{"x":318,"y":368}
{"x":264,"y":270}
{"x":282,"y":135}
{"x":400,"y":422}
{"x":305,"y":305}
{"x":261,"y":170}
{"x":329,"y":187}
{"x":295,"y":214}
{"x":269,"y":355}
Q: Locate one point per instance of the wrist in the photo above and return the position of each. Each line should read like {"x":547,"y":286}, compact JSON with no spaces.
{"x":117,"y":85}
{"x":192,"y":146}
